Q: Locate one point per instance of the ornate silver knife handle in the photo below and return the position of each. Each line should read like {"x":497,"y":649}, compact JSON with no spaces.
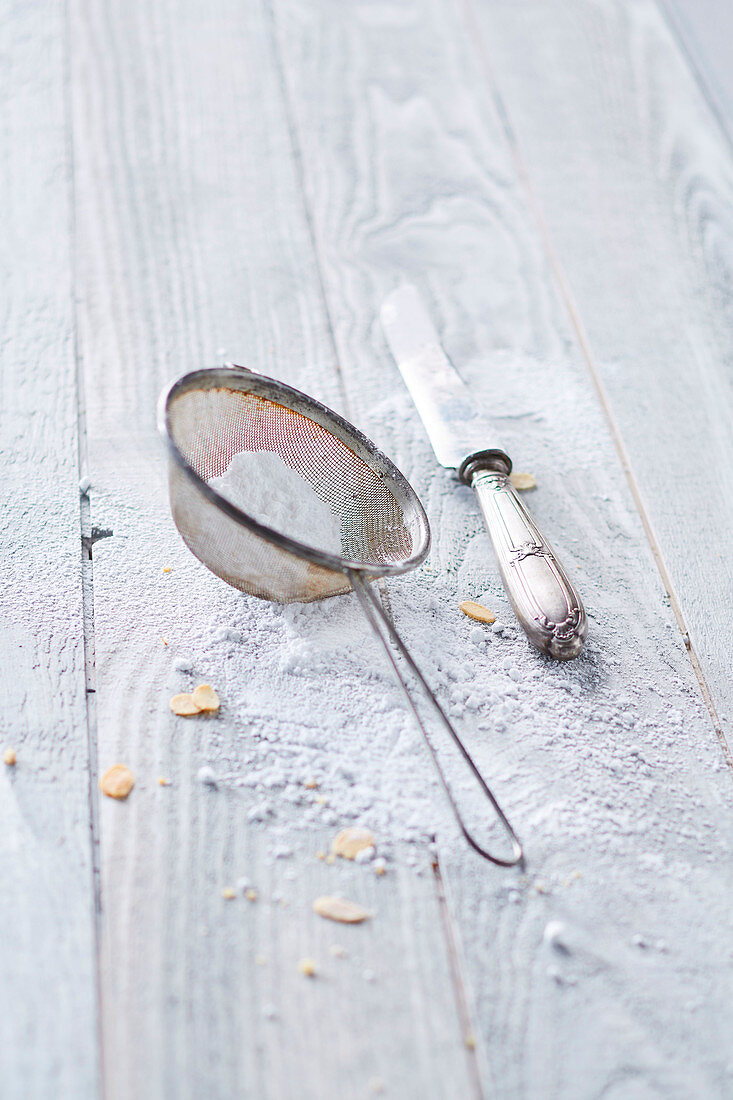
{"x":545,"y":601}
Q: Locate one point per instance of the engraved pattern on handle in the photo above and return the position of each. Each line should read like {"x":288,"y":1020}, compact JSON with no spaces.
{"x":545,"y":602}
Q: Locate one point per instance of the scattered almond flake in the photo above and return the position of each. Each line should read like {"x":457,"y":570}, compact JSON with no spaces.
{"x":350,"y":841}
{"x":184,"y":705}
{"x":339,"y":909}
{"x":167,"y":569}
{"x":330,"y":858}
{"x":251,"y":894}
{"x":477,"y":611}
{"x":523,"y":481}
{"x":260,"y":960}
{"x":205,"y":698}
{"x":307,"y":968}
{"x":320,"y":855}
{"x":9,"y":757}
{"x":380,"y":866}
{"x":338,"y":951}
{"x":117,"y":781}
{"x":163,"y":782}
{"x":311,"y":784}
{"x":471,"y":1041}
{"x":228,"y":893}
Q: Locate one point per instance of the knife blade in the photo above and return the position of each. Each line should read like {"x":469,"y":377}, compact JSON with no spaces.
{"x":455,"y":425}
{"x":544,"y":599}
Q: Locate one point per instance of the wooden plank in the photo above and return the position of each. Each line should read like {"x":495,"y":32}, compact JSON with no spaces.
{"x":192,"y":238}
{"x":636,"y":184}
{"x":609,"y":766}
{"x":47,"y":934}
{"x":705,"y":31}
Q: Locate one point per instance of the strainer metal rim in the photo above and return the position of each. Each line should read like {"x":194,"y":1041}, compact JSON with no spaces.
{"x":247,"y":381}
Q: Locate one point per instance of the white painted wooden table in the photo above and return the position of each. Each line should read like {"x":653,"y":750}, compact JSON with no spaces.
{"x":181,"y":177}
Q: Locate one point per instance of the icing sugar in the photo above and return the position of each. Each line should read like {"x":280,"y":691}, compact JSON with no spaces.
{"x":264,"y":487}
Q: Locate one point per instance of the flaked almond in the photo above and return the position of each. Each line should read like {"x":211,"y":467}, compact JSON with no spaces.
{"x":307,"y":968}
{"x":477,"y":611}
{"x":523,"y":481}
{"x":9,"y":757}
{"x":341,"y":910}
{"x":184,"y":705}
{"x":205,"y":698}
{"x":117,"y":781}
{"x":350,"y":841}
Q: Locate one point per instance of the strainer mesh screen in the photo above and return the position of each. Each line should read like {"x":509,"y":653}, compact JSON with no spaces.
{"x":210,"y":426}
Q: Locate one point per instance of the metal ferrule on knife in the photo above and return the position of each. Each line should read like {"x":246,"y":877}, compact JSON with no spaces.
{"x":545,"y":601}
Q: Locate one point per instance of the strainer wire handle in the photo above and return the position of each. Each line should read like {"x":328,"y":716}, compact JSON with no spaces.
{"x":385,"y":630}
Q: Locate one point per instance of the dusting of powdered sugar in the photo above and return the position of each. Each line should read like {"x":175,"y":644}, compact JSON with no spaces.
{"x":264,"y":487}
{"x":314,"y":733}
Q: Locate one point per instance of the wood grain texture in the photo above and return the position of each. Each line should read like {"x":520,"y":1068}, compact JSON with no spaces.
{"x":635,"y":181}
{"x":609,"y":766}
{"x":193,"y":246}
{"x":705,"y":30}
{"x":47,"y":935}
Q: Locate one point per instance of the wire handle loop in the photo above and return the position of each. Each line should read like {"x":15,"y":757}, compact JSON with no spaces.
{"x":384,"y":629}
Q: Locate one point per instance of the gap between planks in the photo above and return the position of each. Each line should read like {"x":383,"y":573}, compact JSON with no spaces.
{"x":87,"y":566}
{"x":567,"y":296}
{"x":297,"y":161}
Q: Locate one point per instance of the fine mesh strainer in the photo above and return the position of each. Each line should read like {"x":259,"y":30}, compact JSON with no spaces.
{"x":208,"y":416}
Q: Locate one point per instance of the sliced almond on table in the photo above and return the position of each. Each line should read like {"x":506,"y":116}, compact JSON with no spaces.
{"x":339,"y":909}
{"x":307,"y":968}
{"x":523,"y":481}
{"x":205,"y":698}
{"x":350,"y":841}
{"x":9,"y":757}
{"x":117,"y":781}
{"x":477,"y":611}
{"x":184,"y":705}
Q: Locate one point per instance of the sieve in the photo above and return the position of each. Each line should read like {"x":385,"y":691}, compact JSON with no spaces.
{"x":208,"y":416}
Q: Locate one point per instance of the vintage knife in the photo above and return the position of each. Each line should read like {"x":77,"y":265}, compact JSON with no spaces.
{"x":544,"y":600}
